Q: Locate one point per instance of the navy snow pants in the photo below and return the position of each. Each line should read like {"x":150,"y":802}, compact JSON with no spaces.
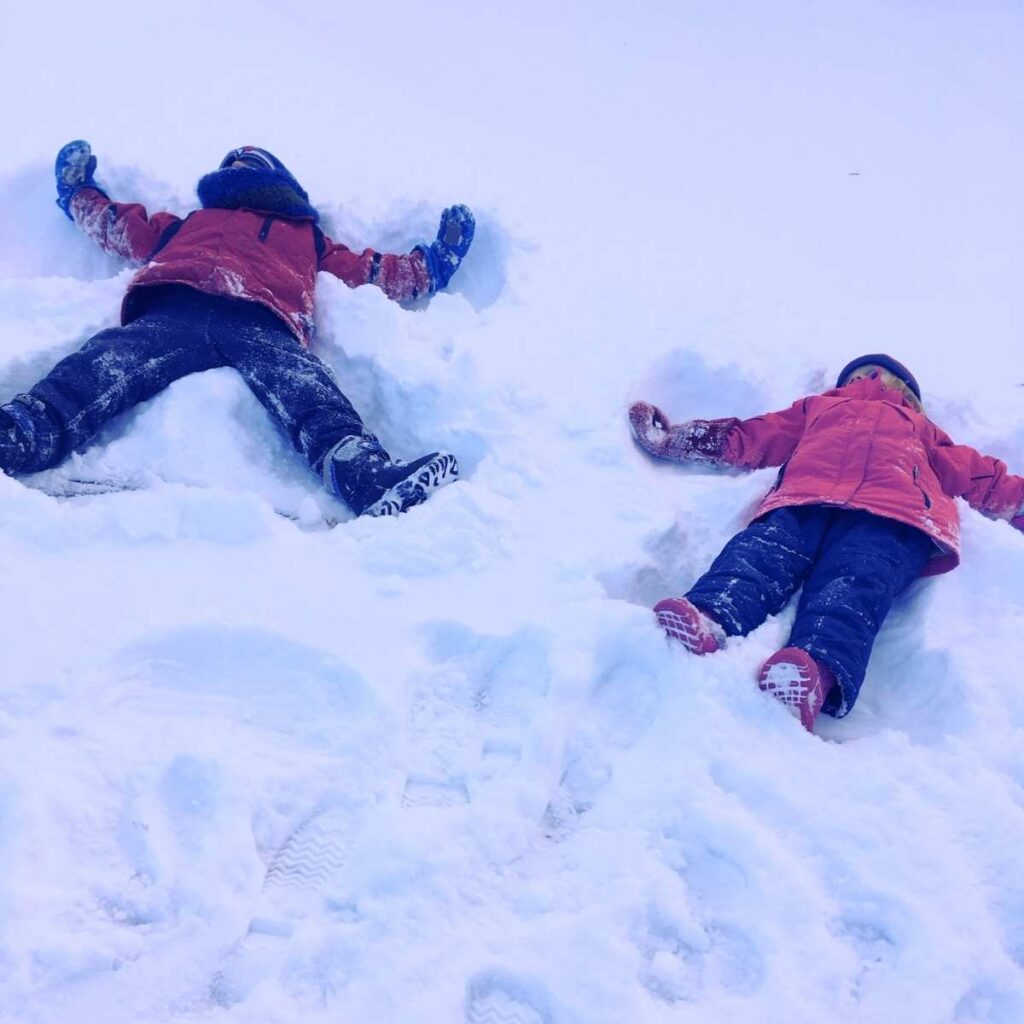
{"x":180,"y":331}
{"x":851,"y":564}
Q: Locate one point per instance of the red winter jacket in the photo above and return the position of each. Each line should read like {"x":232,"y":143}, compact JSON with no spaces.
{"x":246,"y":254}
{"x":862,"y":446}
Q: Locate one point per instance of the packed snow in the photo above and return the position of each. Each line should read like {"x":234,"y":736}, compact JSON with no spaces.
{"x":261,"y":762}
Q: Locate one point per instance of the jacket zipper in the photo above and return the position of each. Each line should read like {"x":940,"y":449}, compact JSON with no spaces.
{"x":924,"y":493}
{"x":265,"y":230}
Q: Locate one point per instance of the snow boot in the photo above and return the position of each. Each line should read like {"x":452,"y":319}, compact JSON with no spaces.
{"x":685,"y":622}
{"x":360,"y":472}
{"x":793,"y":677}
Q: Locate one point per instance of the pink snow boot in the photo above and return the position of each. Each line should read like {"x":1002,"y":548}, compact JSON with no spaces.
{"x":685,"y":622}
{"x":801,"y":683}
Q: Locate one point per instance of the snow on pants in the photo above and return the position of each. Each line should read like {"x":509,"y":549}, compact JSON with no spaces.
{"x":180,"y":331}
{"x":851,"y":564}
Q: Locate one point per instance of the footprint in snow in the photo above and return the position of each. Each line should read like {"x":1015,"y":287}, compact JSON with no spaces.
{"x":991,"y":1001}
{"x":472,"y":712}
{"x":498,"y":997}
{"x":868,"y":925}
{"x":689,"y":952}
{"x":434,"y":791}
{"x":682,"y":967}
{"x":246,"y":674}
{"x":584,"y":776}
{"x":296,"y":879}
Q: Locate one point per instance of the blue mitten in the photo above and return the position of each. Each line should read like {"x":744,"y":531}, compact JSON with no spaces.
{"x":74,"y":170}
{"x":454,"y":237}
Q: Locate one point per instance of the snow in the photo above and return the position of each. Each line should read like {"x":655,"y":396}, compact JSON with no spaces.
{"x":255,"y":768}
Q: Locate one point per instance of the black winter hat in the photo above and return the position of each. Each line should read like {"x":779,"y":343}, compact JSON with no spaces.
{"x":897,"y":369}
{"x":262,"y":159}
{"x":255,"y":157}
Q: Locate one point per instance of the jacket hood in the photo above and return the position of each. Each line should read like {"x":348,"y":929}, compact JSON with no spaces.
{"x":874,"y":388}
{"x":251,"y":188}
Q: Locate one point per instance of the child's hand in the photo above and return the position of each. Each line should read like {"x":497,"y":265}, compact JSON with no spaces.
{"x":455,"y":233}
{"x":454,"y":237}
{"x":650,"y":427}
{"x":74,"y":169}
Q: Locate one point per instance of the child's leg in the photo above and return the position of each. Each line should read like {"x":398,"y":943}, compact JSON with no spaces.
{"x":761,"y":567}
{"x":113,"y":371}
{"x":291,"y":383}
{"x":865,"y":562}
{"x":302,"y":396}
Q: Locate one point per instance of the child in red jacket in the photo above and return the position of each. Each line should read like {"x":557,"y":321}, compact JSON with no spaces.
{"x":862,"y":506}
{"x":231,"y":284}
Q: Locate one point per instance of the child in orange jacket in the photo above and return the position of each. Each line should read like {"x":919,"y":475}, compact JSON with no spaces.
{"x":863,"y":504}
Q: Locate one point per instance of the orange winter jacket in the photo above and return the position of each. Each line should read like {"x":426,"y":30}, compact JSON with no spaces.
{"x":246,"y":254}
{"x":862,"y":446}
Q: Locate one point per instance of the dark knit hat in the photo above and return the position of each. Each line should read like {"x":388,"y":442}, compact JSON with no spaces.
{"x":897,"y":369}
{"x":262,"y":159}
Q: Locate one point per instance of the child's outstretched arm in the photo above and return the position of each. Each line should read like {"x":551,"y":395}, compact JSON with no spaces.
{"x":692,"y":441}
{"x":766,"y":440}
{"x":123,"y":229}
{"x":982,"y":481}
{"x":425,"y":270}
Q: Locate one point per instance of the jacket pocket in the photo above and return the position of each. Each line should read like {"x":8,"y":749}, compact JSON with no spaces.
{"x":917,"y":484}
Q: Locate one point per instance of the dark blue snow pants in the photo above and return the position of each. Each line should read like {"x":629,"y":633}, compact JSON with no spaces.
{"x":180,"y":331}
{"x":851,"y":564}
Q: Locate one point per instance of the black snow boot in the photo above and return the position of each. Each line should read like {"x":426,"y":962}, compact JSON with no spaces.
{"x":360,"y":472}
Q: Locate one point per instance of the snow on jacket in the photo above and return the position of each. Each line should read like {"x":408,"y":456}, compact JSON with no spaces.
{"x":862,"y":446}
{"x":246,"y":254}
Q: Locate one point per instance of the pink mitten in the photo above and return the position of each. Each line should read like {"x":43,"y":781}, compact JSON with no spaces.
{"x":692,"y":441}
{"x":650,"y":428}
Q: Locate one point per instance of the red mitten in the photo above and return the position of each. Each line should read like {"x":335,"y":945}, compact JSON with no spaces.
{"x":692,"y":441}
{"x":650,"y":428}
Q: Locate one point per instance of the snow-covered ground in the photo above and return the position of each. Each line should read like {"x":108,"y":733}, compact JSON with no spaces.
{"x":263,"y":763}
